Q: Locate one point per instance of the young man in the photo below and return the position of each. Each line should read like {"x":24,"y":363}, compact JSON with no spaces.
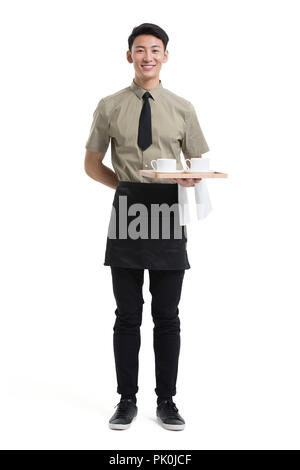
{"x":145,"y":121}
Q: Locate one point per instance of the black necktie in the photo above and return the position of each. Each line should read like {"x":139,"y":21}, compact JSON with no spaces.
{"x":145,"y":130}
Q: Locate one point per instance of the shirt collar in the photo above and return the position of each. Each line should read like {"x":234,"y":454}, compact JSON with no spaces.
{"x":139,"y":91}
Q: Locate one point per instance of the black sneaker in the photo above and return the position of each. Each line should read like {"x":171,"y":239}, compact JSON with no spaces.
{"x":168,"y":416}
{"x":124,"y":415}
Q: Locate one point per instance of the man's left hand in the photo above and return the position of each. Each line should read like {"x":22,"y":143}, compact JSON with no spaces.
{"x":187,"y":182}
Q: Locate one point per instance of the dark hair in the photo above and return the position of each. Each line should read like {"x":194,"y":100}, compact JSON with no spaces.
{"x":148,"y":28}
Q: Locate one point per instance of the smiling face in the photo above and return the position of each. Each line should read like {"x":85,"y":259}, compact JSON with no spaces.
{"x":147,"y":55}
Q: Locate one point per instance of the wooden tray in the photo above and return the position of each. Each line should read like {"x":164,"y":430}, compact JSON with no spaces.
{"x":183,"y":174}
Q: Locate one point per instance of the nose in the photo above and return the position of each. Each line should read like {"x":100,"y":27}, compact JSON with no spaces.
{"x":148,"y":56}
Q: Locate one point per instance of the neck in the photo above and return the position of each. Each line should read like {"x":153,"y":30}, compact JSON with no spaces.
{"x":147,"y":84}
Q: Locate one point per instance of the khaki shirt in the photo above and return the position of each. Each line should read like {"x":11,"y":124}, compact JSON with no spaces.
{"x":175,"y":127}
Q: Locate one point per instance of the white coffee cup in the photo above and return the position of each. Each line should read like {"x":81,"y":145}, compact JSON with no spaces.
{"x":197,"y":164}
{"x":164,"y":164}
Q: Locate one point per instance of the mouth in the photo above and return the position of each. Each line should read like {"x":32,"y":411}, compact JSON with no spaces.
{"x":148,"y":67}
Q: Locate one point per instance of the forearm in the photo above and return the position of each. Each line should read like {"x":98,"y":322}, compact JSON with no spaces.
{"x":102,"y":174}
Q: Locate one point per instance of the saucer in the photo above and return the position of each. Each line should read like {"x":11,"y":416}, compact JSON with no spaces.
{"x":199,"y":171}
{"x":169,"y":171}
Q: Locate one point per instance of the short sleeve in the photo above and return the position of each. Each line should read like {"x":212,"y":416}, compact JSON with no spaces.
{"x":98,"y":140}
{"x":193,"y":143}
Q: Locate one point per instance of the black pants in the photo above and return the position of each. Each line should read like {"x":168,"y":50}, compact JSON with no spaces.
{"x":165,"y":287}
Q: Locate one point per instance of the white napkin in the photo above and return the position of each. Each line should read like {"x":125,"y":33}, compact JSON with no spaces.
{"x":202,"y":199}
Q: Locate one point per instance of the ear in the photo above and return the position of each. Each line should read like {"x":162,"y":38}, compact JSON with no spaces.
{"x":166,"y":56}
{"x":128,"y":56}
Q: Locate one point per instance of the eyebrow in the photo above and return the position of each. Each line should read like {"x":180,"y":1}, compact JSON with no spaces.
{"x":155,"y":45}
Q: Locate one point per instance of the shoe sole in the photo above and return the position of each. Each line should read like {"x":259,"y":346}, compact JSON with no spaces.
{"x":171,"y":427}
{"x":121,"y":426}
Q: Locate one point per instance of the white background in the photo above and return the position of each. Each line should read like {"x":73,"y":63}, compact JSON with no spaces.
{"x":238,"y":380}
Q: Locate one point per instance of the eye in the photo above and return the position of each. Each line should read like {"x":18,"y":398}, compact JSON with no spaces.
{"x":140,"y":50}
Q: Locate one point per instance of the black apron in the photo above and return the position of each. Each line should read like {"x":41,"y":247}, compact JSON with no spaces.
{"x":165,"y":248}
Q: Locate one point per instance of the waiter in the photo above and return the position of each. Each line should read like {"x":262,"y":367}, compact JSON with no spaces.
{"x":143,"y":122}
